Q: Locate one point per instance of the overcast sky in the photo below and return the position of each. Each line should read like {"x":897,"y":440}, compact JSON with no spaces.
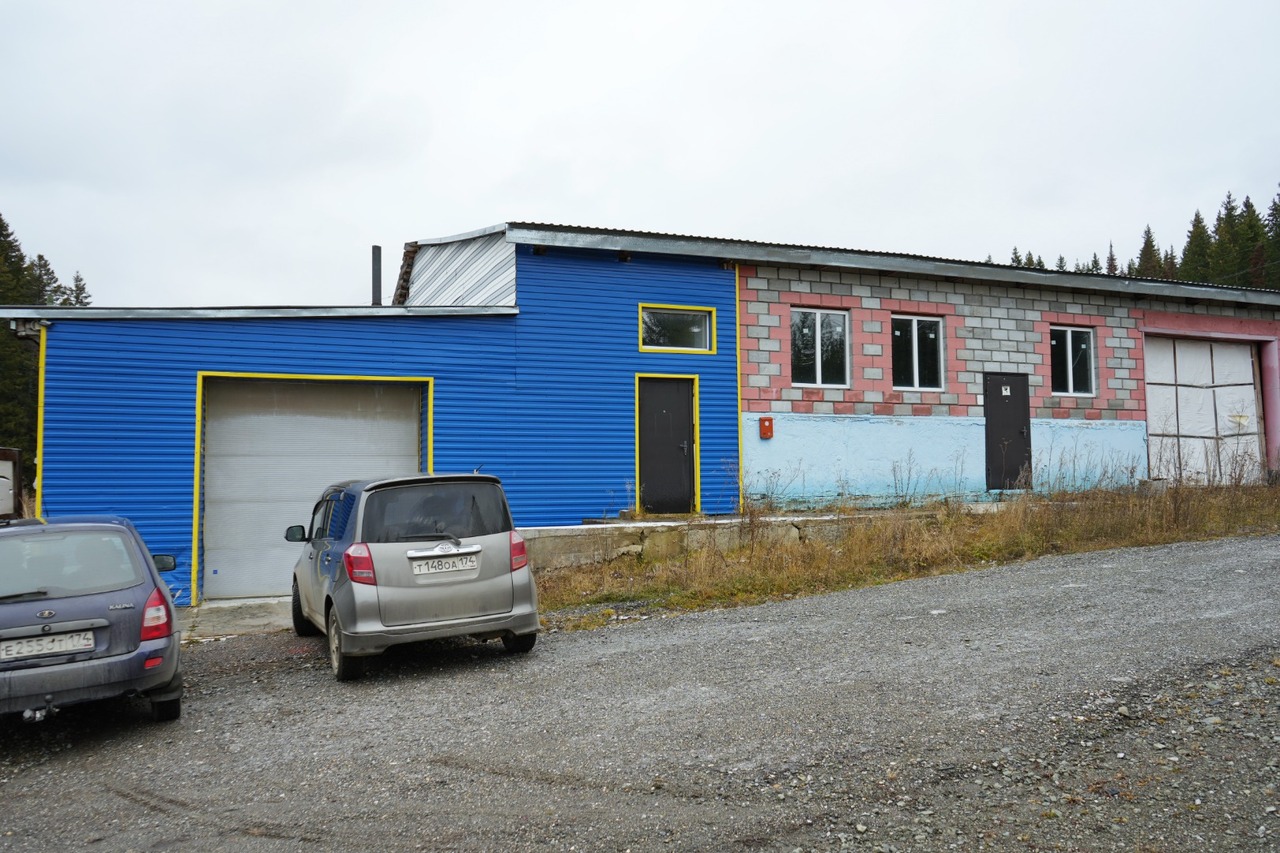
{"x":249,"y":152}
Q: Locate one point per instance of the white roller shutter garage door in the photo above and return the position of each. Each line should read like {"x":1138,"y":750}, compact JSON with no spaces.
{"x":270,"y":448}
{"x":1203,"y":416}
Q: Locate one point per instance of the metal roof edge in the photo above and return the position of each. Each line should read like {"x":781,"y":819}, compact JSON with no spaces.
{"x":469,"y":235}
{"x":55,"y":312}
{"x":789,"y":255}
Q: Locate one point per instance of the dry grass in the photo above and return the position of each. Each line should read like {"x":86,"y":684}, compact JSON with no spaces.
{"x":889,"y":546}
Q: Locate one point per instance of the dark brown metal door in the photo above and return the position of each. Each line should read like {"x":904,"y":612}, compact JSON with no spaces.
{"x":666,"y":445}
{"x":1007,"y":403}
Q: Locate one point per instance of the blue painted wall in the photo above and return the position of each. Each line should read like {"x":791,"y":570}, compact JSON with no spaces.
{"x":571,"y":428}
{"x":544,"y":400}
{"x":816,"y":459}
{"x":120,"y":419}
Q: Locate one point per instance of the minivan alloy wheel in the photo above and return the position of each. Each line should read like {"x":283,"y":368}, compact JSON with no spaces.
{"x":345,"y":667}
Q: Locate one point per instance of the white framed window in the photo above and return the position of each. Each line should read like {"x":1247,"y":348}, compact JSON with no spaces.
{"x":677,"y":328}
{"x":1071,"y":360}
{"x":819,"y":347}
{"x":917,"y":353}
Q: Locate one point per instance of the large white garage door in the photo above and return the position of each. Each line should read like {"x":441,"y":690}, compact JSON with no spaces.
{"x":1203,"y":417}
{"x":271,"y":447}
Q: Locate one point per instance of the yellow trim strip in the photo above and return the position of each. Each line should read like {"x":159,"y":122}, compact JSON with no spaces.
{"x":697,"y":433}
{"x":44,"y":350}
{"x":737,"y":367}
{"x":428,"y":403}
{"x":702,"y":309}
{"x":195,"y":508}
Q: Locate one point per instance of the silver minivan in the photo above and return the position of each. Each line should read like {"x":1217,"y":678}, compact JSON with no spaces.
{"x":404,"y":559}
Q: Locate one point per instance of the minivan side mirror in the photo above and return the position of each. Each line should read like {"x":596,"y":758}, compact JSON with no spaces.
{"x":296,"y":533}
{"x":164,"y":562}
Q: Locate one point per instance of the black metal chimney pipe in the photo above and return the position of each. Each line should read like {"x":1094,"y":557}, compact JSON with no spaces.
{"x":377,"y":275}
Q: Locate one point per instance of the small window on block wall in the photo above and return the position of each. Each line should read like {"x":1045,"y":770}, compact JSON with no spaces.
{"x":1071,"y":360}
{"x":917,"y":353}
{"x":819,"y":347}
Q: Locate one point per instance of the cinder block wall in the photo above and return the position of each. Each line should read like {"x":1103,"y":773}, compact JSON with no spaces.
{"x":986,"y":328}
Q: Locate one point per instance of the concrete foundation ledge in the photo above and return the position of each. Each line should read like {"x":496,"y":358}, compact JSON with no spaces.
{"x":557,"y":548}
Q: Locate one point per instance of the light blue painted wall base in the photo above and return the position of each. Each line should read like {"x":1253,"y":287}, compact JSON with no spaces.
{"x":818,"y":459}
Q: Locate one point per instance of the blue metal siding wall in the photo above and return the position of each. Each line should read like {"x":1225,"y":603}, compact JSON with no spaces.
{"x":571,"y":428}
{"x":120,"y":420}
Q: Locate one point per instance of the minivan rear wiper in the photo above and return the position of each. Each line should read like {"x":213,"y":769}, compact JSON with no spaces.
{"x":430,"y":537}
{"x":32,"y":593}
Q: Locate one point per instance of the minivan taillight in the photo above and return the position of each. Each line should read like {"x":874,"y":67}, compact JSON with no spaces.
{"x":519,"y":554}
{"x":358,"y":562}
{"x":157,"y":621}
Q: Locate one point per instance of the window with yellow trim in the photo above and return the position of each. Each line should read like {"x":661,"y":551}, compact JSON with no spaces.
{"x":676,"y":328}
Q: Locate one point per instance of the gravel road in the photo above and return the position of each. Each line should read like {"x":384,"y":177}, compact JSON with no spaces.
{"x":1123,"y":700}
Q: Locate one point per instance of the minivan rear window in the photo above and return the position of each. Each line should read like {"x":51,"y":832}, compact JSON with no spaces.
{"x":431,"y":510}
{"x":80,"y":562}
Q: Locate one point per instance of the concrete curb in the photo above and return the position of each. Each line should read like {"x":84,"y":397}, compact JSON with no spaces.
{"x":210,"y":620}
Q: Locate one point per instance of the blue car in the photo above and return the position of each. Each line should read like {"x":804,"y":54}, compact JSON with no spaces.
{"x":84,"y":616}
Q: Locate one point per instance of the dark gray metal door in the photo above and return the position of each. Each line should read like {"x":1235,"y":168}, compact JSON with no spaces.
{"x":666,"y":445}
{"x":1007,"y":406}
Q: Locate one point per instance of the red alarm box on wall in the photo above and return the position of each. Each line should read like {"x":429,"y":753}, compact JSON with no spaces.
{"x":766,"y":427}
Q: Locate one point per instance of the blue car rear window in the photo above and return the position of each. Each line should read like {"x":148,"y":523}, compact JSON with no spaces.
{"x":427,"y":510}
{"x":75,"y":562}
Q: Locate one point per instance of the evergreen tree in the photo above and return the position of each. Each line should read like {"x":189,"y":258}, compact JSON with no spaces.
{"x":18,"y":359}
{"x":1150,"y":264}
{"x":1061,"y":265}
{"x":1273,"y":243}
{"x":1195,"y":254}
{"x":15,"y":288}
{"x":25,"y":282}
{"x":1170,"y":271}
{"x":79,"y":292}
{"x":1095,"y":265}
{"x":1016,"y":258}
{"x":1224,"y":251}
{"x":1251,"y":239}
{"x":1256,"y":271}
{"x":1113,"y":266}
{"x":48,"y":290}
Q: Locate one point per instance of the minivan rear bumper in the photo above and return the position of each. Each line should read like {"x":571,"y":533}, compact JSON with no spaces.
{"x":521,"y":620}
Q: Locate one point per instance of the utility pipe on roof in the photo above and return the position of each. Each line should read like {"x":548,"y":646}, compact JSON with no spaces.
{"x":377,"y":275}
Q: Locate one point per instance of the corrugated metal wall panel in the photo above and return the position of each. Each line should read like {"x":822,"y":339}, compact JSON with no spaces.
{"x":120,"y":397}
{"x":469,"y":272}
{"x":572,"y":430}
{"x":545,"y":399}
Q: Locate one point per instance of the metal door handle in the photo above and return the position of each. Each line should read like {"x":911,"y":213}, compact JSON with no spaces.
{"x":684,"y":445}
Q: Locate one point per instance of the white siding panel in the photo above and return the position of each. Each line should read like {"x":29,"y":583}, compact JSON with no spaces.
{"x":1199,"y":459}
{"x":1232,"y":364}
{"x":1203,"y":421}
{"x":1195,"y":412}
{"x":1162,"y":409}
{"x":271,"y":447}
{"x":1237,"y":407}
{"x":476,"y":272}
{"x":1194,"y":363}
{"x":1163,"y":457}
{"x":1159,"y":360}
